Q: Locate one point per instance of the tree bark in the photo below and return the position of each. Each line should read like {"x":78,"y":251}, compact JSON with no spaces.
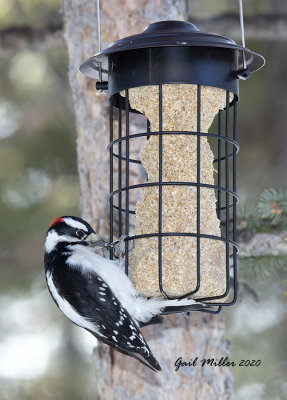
{"x":202,"y":335}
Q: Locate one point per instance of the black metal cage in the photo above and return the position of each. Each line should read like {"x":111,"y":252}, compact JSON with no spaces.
{"x":225,"y":148}
{"x":169,"y":53}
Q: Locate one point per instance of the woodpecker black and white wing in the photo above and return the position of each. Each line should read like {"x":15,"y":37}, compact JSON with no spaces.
{"x":89,"y":302}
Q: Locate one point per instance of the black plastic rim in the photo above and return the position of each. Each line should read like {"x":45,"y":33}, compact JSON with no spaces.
{"x":169,"y":34}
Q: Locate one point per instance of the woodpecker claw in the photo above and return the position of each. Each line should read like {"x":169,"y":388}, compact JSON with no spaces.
{"x":118,"y":247}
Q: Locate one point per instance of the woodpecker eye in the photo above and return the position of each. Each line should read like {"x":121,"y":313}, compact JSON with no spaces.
{"x":80,"y":233}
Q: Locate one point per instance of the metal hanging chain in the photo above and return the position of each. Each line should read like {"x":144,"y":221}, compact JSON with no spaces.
{"x":99,"y":37}
{"x":99,"y":26}
{"x":242,"y":32}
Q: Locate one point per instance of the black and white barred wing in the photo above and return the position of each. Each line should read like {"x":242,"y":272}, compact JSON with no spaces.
{"x":102,"y":314}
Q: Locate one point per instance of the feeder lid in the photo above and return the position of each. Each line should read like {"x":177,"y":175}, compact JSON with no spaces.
{"x":169,"y":34}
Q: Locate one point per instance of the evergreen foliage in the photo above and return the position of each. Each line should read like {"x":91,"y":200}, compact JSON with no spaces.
{"x":263,"y":267}
{"x":269,"y":215}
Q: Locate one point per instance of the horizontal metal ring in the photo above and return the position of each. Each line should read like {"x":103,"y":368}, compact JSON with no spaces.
{"x":157,"y":133}
{"x":192,"y":184}
{"x":230,"y":205}
{"x":167,"y":234}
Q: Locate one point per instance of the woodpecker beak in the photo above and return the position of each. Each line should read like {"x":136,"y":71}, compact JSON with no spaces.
{"x":95,"y":240}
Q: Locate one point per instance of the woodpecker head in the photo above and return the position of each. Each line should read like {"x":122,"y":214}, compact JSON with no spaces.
{"x":71,"y":231}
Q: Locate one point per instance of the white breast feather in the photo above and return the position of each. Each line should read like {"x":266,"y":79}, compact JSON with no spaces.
{"x":109,"y":271}
{"x":139,"y":307}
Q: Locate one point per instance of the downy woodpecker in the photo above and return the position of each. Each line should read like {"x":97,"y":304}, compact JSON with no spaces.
{"x":96,"y":294}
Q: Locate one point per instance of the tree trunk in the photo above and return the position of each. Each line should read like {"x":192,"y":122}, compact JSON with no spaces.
{"x":202,"y":335}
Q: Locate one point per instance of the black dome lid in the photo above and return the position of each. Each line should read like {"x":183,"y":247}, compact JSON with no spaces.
{"x":170,"y":34}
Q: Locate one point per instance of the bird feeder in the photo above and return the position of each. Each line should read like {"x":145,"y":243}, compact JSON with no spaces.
{"x":173,"y":93}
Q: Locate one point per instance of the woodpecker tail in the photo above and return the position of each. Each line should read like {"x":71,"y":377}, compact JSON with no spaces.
{"x":184,"y":307}
{"x":144,"y":357}
{"x":149,"y":361}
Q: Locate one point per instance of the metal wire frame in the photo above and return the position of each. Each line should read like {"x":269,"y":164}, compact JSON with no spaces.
{"x":225,"y":189}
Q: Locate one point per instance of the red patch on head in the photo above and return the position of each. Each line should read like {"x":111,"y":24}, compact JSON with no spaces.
{"x":56,"y":220}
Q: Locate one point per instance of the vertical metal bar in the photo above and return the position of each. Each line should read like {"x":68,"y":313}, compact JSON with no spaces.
{"x":219,"y":167}
{"x":127,"y":222}
{"x":234,"y":167}
{"x":242,"y":32}
{"x":198,"y":188}
{"x":234,"y":200}
{"x":99,"y":37}
{"x":160,"y":190}
{"x":148,"y":128}
{"x":227,"y":187}
{"x":111,"y":175}
{"x":120,"y":167}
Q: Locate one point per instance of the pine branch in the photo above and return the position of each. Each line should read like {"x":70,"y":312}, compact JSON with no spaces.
{"x":262,"y":244}
{"x":262,"y":229}
{"x":264,"y":266}
{"x":269,"y":215}
{"x":22,"y":37}
{"x":259,"y":27}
